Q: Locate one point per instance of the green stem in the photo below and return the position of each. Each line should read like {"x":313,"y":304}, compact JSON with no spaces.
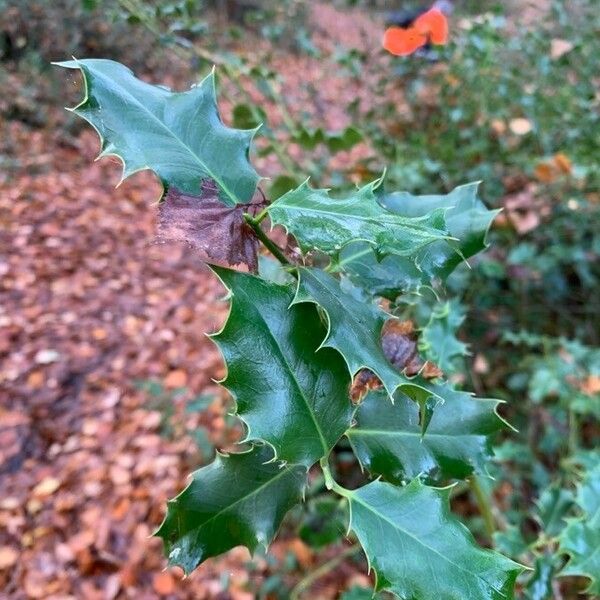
{"x":271,"y":246}
{"x":573,"y":432}
{"x":308,"y":581}
{"x":262,"y":215}
{"x":330,"y":482}
{"x":323,"y":570}
{"x":483,"y":502}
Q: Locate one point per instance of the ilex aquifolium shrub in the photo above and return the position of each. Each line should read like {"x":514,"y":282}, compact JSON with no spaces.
{"x":313,"y":356}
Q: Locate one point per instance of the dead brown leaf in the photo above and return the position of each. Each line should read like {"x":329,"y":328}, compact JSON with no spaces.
{"x":206,"y":223}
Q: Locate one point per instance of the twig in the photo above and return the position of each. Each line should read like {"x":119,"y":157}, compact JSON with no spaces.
{"x":324,"y":569}
{"x":271,"y":246}
{"x":483,"y":502}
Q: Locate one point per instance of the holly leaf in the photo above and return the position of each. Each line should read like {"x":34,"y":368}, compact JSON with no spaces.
{"x":178,"y":135}
{"x":212,"y":516}
{"x":438,"y":341}
{"x":580,"y":540}
{"x":355,"y":330}
{"x":388,"y":440}
{"x":419,"y":550}
{"x":203,"y":221}
{"x":552,"y":506}
{"x":467,"y":220}
{"x":539,"y":586}
{"x":289,"y":392}
{"x":319,"y":222}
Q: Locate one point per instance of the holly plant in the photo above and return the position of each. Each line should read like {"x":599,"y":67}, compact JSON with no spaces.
{"x":317,"y":355}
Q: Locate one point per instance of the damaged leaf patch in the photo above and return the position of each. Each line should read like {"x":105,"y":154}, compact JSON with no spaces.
{"x":207,"y":224}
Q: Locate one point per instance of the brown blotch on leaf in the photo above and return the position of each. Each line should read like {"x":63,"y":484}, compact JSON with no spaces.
{"x":363,"y":383}
{"x":206,"y":223}
{"x":399,"y":344}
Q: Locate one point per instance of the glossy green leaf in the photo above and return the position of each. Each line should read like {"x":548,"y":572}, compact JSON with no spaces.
{"x":388,"y":441}
{"x":385,"y":276}
{"x":237,"y":500}
{"x":179,"y":136}
{"x":418,"y":550}
{"x":320,"y":222}
{"x":354,"y":329}
{"x":288,"y":393}
{"x":467,"y":219}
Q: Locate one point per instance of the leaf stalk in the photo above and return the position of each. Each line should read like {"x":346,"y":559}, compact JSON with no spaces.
{"x":271,"y":246}
{"x":484,"y":505}
{"x":324,"y":569}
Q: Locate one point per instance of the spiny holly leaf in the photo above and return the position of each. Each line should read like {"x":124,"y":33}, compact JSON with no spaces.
{"x":581,"y":538}
{"x":237,"y":500}
{"x":287,"y":393}
{"x":179,"y":136}
{"x":467,"y":220}
{"x":554,"y":503}
{"x":219,"y":231}
{"x":419,"y":550}
{"x":355,"y":329}
{"x":581,"y":541}
{"x":320,"y":222}
{"x":438,"y":341}
{"x":388,"y":439}
{"x":387,"y":276}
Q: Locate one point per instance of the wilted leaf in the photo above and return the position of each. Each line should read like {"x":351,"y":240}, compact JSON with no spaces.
{"x":399,"y":344}
{"x":206,"y":223}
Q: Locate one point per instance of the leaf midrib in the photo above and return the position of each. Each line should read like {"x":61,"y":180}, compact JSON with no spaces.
{"x":354,"y":497}
{"x":392,"y":219}
{"x":322,"y":439}
{"x":387,"y":432}
{"x":284,"y":471}
{"x":202,"y":164}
